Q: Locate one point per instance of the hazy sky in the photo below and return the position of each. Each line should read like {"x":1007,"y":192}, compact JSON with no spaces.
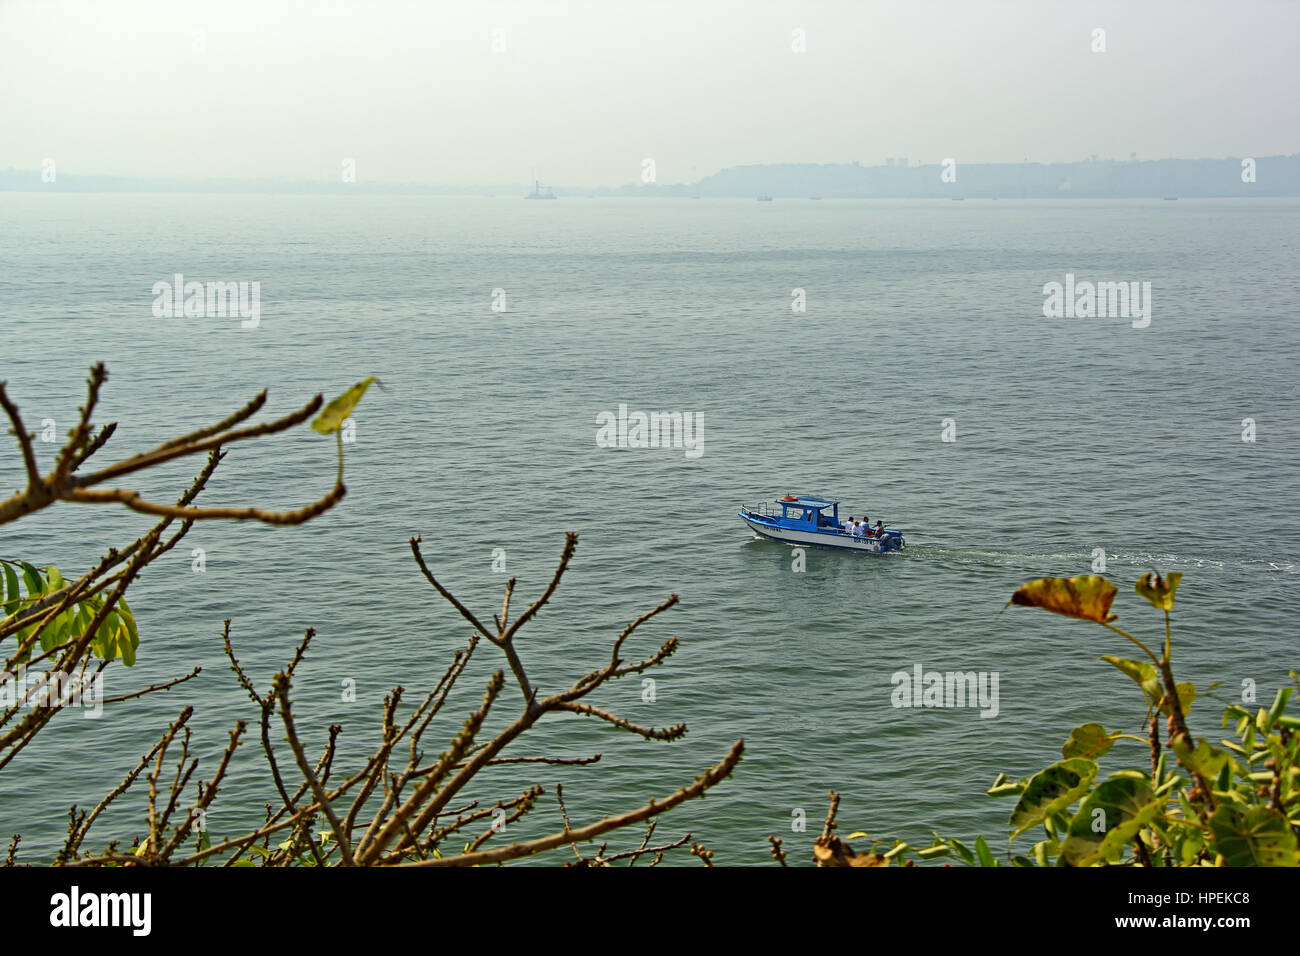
{"x":585,"y":90}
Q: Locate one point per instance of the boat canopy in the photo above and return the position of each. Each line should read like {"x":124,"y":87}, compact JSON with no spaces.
{"x":808,"y":501}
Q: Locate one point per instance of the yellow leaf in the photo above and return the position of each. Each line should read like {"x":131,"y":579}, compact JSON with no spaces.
{"x":832,"y":851}
{"x":1087,"y":596}
{"x":1159,"y":591}
{"x":1186,"y":695}
{"x":868,"y":859}
{"x":336,"y":411}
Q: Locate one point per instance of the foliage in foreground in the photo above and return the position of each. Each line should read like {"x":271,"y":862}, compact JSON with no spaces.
{"x":401,"y":805}
{"x":1196,"y":804}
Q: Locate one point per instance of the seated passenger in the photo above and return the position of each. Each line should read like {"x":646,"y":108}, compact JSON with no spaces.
{"x":858,"y":528}
{"x":880,"y":529}
{"x":848,"y":525}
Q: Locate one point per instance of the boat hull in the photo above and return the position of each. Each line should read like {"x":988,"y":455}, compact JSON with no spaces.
{"x":772,"y":530}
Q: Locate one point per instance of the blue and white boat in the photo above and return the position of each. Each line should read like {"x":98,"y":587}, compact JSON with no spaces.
{"x":811,"y":519}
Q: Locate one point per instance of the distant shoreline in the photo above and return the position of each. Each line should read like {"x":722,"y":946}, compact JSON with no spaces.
{"x":581,"y":197}
{"x":1229,"y":178}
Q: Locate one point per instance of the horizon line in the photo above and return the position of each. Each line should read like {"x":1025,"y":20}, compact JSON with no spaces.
{"x":490,"y":189}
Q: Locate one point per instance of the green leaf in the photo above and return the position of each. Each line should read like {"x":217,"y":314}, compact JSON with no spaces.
{"x":49,"y":636}
{"x":1225,"y":775}
{"x":900,"y":850}
{"x":1109,"y":818}
{"x":982,"y":851}
{"x":126,"y":645}
{"x":82,"y":620}
{"x":331,"y":418}
{"x":1253,"y":836}
{"x":1189,"y":845}
{"x":1088,"y":740}
{"x":1050,"y":791}
{"x":32,"y":578}
{"x":57,"y":629}
{"x":1279,"y":705}
{"x":1044,"y":851}
{"x":54,"y":579}
{"x":930,"y":852}
{"x":117,"y":636}
{"x":1057,"y":824}
{"x":104,"y":644}
{"x":1143,"y":674}
{"x":1004,"y":786}
{"x":11,"y":589}
{"x":130,"y":637}
{"x":1206,"y":759}
{"x":963,"y":851}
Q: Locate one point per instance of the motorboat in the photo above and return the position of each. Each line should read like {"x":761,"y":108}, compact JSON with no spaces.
{"x":812,"y":519}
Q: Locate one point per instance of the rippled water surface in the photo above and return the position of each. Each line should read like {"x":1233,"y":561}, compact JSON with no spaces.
{"x":1072,"y":435}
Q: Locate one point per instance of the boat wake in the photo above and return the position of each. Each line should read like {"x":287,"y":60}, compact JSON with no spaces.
{"x":1145,"y":560}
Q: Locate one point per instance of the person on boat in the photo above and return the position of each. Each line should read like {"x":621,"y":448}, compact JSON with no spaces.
{"x":848,"y":525}
{"x":858,"y":529}
{"x":880,"y":529}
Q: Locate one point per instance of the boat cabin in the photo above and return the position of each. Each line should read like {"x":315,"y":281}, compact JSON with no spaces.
{"x":810,"y":511}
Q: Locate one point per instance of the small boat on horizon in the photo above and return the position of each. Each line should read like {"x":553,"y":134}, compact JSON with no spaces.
{"x":540,"y":191}
{"x":764,"y":198}
{"x":812,"y":519}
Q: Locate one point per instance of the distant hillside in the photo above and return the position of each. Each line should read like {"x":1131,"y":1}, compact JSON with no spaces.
{"x":1106,"y":179}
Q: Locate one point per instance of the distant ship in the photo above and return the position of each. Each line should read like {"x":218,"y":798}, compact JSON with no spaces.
{"x":540,"y":191}
{"x":764,"y":198}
